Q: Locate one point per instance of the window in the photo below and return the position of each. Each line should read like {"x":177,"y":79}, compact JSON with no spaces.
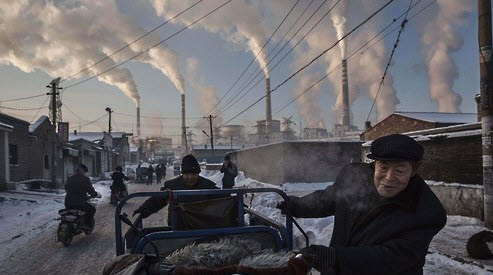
{"x":13,"y":160}
{"x":46,"y":162}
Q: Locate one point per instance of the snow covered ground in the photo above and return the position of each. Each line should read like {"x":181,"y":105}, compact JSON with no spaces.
{"x":24,"y":214}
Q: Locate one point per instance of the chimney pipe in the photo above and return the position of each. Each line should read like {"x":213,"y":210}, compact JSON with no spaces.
{"x":138,"y":118}
{"x":346,"y":120}
{"x":268,"y":109}
{"x":183,"y":127}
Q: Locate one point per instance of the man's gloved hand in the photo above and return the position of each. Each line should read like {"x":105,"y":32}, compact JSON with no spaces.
{"x":320,"y":257}
{"x":283,"y":206}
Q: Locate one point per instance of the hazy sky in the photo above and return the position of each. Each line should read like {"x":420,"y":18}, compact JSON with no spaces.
{"x":435,"y":67}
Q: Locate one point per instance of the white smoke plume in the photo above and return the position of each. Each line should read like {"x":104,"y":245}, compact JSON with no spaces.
{"x":440,"y":39}
{"x":339,"y":22}
{"x":238,"y":22}
{"x":308,"y":103}
{"x":206,"y":96}
{"x":62,"y":38}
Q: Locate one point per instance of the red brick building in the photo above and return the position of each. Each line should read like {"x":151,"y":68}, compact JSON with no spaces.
{"x":402,"y":122}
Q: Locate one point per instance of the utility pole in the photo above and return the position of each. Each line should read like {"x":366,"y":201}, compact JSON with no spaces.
{"x":210,"y":117}
{"x":108,"y":109}
{"x":231,"y":142}
{"x":484,"y":35}
{"x":54,"y":92}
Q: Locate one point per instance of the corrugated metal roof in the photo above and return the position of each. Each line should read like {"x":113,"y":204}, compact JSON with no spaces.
{"x":441,"y":117}
{"x":91,"y":136}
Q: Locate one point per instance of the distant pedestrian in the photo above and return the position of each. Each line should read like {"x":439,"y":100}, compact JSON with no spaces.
{"x":159,"y":173}
{"x":137,"y":172}
{"x":150,"y":172}
{"x":230,"y":172}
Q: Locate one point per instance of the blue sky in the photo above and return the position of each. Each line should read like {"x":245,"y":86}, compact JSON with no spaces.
{"x":221,"y":61}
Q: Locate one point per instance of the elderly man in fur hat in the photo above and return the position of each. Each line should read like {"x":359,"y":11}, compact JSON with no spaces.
{"x":385,"y":215}
{"x":188,"y":180}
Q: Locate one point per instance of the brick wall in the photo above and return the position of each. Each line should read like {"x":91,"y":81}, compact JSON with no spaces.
{"x":395,"y":124}
{"x":457,"y":159}
{"x":19,"y":137}
{"x":296,"y":161}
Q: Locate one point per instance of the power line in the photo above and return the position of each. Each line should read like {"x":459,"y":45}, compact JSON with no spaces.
{"x":403,"y":24}
{"x":124,"y":114}
{"x":22,"y":98}
{"x":90,"y":122}
{"x":21,"y":109}
{"x":278,"y":110}
{"x":131,"y":43}
{"x":282,"y":58}
{"x":253,"y":59}
{"x":159,"y":43}
{"x":257,"y":72}
{"x":313,"y":60}
{"x":41,"y":107}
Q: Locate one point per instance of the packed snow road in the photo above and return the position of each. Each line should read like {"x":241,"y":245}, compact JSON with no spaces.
{"x":41,"y":254}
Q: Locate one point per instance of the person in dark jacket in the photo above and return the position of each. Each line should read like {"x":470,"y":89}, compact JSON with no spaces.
{"x":159,"y":173}
{"x":78,"y":186}
{"x":189,"y":180}
{"x":117,"y":185}
{"x":150,"y":172}
{"x":230,"y":172}
{"x":385,"y":215}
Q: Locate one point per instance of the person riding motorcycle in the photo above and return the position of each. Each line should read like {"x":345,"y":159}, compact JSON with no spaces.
{"x":78,"y":186}
{"x":118,"y":177}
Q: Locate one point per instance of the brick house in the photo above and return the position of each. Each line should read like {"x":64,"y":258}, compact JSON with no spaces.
{"x":402,"y":122}
{"x":18,"y":147}
{"x":41,"y":139}
{"x":121,"y":148}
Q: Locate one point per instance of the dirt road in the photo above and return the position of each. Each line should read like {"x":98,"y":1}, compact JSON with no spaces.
{"x":86,"y":254}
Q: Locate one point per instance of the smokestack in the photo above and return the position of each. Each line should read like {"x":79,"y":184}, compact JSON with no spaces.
{"x":138,"y":118}
{"x":346,"y":120}
{"x":268,"y":108}
{"x":183,"y":127}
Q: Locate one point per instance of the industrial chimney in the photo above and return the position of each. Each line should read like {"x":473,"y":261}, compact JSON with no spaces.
{"x":138,"y":118}
{"x":268,"y":108}
{"x":183,"y":126}
{"x":346,"y":120}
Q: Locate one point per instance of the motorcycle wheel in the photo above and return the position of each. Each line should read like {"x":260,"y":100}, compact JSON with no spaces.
{"x":89,"y":230}
{"x":64,"y":236}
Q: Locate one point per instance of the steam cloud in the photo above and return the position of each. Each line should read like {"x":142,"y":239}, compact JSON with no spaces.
{"x":238,"y":22}
{"x":308,"y":102}
{"x":57,"y":39}
{"x":440,"y":40}
{"x":206,"y":96}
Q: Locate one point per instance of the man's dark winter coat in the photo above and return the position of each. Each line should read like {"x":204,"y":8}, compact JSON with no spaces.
{"x":118,"y":178}
{"x":230,"y":172}
{"x":77,"y":187}
{"x":373,"y":235}
{"x":154,"y":204}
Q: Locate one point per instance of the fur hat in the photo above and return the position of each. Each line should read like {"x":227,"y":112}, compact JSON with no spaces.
{"x":189,"y":164}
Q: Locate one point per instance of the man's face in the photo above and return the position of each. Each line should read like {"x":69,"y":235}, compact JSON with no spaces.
{"x":190,"y":179}
{"x":391,"y":177}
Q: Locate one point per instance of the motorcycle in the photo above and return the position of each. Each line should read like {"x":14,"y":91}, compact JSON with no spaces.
{"x":117,"y":196}
{"x":72,"y":223}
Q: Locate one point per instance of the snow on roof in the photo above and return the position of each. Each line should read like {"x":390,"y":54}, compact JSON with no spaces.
{"x":3,"y":125}
{"x":468,"y":133}
{"x":441,"y":117}
{"x":117,"y":134}
{"x":91,"y":136}
{"x":216,"y":147}
{"x":36,"y":124}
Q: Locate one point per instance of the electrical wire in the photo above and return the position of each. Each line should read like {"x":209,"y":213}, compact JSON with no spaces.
{"x":21,"y":109}
{"x":313,"y":60}
{"x":282,"y":58}
{"x":22,"y":98}
{"x":39,"y":109}
{"x":131,"y":43}
{"x":159,"y":43}
{"x":403,"y":24}
{"x":360,"y":50}
{"x":253,"y":59}
{"x":90,"y":122}
{"x":124,"y":114}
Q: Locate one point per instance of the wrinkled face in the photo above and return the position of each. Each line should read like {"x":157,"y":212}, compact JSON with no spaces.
{"x":391,"y":177}
{"x":190,"y":179}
